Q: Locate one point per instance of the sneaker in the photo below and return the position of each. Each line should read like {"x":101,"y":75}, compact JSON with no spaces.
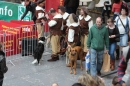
{"x":35,"y":61}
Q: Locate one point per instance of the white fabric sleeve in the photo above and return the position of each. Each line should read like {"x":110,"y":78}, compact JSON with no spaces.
{"x":52,"y":23}
{"x":40,"y":15}
{"x":90,"y":24}
{"x":68,"y":22}
{"x":71,"y":35}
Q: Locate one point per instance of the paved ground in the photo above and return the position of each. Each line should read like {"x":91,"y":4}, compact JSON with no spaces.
{"x":26,"y":74}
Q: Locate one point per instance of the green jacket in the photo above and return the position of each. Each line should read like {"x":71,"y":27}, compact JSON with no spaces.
{"x":98,"y":38}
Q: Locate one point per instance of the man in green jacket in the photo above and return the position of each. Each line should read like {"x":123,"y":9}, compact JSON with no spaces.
{"x":97,"y":40}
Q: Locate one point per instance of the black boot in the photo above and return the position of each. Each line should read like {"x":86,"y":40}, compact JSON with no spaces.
{"x":117,"y":54}
{"x":53,"y":58}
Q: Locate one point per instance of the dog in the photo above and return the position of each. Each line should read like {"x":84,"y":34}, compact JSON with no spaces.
{"x":39,"y":50}
{"x":75,"y":53}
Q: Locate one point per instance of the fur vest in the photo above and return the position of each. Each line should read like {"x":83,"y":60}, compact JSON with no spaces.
{"x":84,"y":24}
{"x":55,"y":25}
{"x":40,"y":13}
{"x":76,"y":28}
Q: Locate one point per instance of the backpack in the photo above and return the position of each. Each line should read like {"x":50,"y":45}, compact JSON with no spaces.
{"x":3,"y":67}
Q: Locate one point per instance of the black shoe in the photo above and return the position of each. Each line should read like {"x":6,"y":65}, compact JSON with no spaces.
{"x":51,"y":60}
{"x":99,"y":73}
{"x":57,"y":58}
{"x":117,"y":57}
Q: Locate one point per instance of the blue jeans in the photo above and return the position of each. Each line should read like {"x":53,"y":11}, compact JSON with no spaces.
{"x":112,"y":48}
{"x":96,"y":60}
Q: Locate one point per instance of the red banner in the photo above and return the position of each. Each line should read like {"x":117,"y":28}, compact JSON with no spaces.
{"x":11,"y":38}
{"x":52,"y":4}
{"x":25,"y":25}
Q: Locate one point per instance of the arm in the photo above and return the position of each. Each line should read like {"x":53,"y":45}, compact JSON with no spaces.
{"x":109,"y":2}
{"x":113,"y":8}
{"x":129,"y":22}
{"x":107,"y":39}
{"x":34,"y":16}
{"x":52,"y":23}
{"x":89,"y":38}
{"x":128,"y":26}
{"x":34,"y":8}
{"x":25,"y":13}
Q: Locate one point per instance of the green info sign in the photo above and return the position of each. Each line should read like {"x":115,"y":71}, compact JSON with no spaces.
{"x":12,"y":11}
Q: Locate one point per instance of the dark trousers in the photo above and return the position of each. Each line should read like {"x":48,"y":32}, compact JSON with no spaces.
{"x":1,"y":80}
{"x":71,"y":10}
{"x":103,"y":14}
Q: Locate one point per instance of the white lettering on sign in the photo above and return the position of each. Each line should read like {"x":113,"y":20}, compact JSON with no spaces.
{"x":26,"y":29}
{"x":5,"y":11}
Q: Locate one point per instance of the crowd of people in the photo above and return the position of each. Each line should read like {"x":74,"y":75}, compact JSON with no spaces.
{"x":80,"y":31}
{"x":98,"y":38}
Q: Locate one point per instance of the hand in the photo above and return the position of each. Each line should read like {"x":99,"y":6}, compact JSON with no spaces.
{"x":87,"y":50}
{"x":123,"y":84}
{"x":43,"y":21}
{"x":69,"y":46}
{"x":113,"y":36}
{"x":102,"y":79}
{"x":47,"y":16}
{"x":106,"y":51}
{"x":126,"y":72}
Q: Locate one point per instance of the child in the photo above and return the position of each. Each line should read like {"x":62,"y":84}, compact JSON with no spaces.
{"x":3,"y":67}
{"x":115,"y":81}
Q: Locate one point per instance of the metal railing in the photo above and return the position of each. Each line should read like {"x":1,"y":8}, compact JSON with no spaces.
{"x":19,"y":42}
